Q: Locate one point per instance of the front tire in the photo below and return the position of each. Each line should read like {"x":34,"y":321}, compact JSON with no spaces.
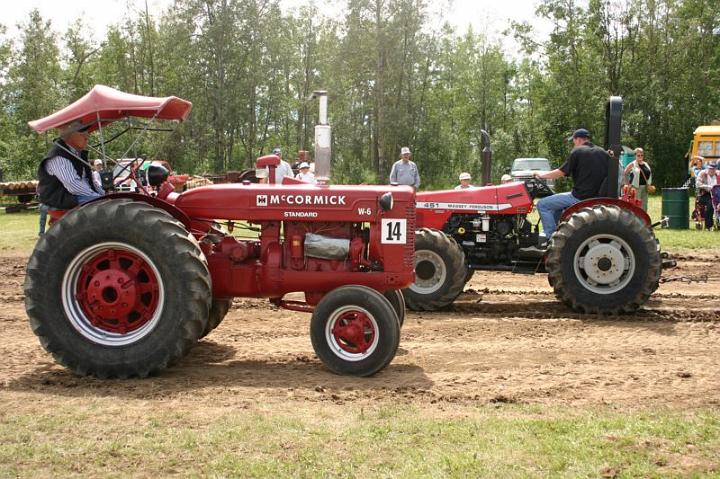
{"x":440,"y":271}
{"x":117,"y":288}
{"x":603,"y":260}
{"x":355,"y":330}
{"x":398,"y":303}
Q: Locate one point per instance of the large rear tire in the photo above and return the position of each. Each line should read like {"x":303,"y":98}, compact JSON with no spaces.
{"x":603,"y":260}
{"x":218,"y":310}
{"x":117,"y":288}
{"x":440,"y":271}
{"x":355,"y":330}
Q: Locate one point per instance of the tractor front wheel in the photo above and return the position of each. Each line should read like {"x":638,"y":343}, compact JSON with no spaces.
{"x":355,"y":330}
{"x":603,"y":260}
{"x":398,"y":303}
{"x":440,"y":271}
{"x":117,"y":288}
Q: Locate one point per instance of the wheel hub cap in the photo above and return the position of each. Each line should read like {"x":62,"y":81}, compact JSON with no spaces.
{"x":430,"y":272}
{"x":352,"y":333}
{"x":604,"y":264}
{"x":112,"y":294}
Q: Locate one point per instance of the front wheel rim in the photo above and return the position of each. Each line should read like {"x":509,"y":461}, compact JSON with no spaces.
{"x":604,"y":264}
{"x":430,"y":272}
{"x":113,"y":294}
{"x":352,"y":333}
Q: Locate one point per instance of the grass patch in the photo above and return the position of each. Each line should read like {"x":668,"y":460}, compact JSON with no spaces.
{"x":18,"y":231}
{"x":385,"y":440}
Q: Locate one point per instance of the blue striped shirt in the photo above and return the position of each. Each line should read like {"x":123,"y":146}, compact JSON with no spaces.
{"x":63,"y":170}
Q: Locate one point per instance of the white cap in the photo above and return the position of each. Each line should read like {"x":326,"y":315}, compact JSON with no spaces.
{"x":505,"y":178}
{"x":261,"y":173}
{"x":404,"y":150}
{"x":98,"y":162}
{"x":465,"y":176}
{"x":304,"y":164}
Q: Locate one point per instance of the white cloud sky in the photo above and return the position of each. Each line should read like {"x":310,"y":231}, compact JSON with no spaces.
{"x":487,"y":16}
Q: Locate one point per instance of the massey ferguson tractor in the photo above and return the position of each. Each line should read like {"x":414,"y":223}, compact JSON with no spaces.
{"x":603,"y":258}
{"x":125,"y":285}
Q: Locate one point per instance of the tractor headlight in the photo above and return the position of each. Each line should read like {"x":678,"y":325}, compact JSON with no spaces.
{"x":386,"y":201}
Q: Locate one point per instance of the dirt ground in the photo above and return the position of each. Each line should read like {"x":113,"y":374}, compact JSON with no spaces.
{"x":506,"y":339}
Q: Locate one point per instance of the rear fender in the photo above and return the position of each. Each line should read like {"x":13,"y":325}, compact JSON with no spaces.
{"x":174,"y":211}
{"x":639,"y":212}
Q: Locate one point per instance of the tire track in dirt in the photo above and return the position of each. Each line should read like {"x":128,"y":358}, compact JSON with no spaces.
{"x":506,"y":339}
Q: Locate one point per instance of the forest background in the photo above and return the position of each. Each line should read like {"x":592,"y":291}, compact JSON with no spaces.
{"x":397,"y":75}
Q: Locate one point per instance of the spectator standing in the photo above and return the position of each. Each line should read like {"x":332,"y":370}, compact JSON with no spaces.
{"x":283,"y":169}
{"x":305,"y":175}
{"x":640,"y":176}
{"x":464,"y":179}
{"x":98,"y":167}
{"x":43,"y":209}
{"x":705,"y":182}
{"x":697,"y":165}
{"x":404,"y":171}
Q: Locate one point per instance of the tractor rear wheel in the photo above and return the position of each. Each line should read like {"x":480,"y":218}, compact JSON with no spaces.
{"x":440,"y":271}
{"x":603,"y":260}
{"x":117,"y":288}
{"x":355,"y":330}
{"x":218,"y":310}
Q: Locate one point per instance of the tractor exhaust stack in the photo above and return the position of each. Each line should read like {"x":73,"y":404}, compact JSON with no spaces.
{"x":323,"y":140}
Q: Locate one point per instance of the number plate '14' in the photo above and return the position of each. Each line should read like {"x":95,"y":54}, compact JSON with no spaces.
{"x":394,"y":231}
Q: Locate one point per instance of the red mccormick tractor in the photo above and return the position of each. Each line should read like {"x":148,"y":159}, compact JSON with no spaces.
{"x":603,"y":258}
{"x":126,"y":285}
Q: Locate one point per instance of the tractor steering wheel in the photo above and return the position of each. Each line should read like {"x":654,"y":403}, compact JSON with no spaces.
{"x":538,"y":188}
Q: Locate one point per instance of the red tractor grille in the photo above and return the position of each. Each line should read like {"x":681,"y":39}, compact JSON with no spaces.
{"x":410,"y":245}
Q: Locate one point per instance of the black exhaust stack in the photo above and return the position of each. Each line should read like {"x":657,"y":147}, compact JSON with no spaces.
{"x":613,"y":127}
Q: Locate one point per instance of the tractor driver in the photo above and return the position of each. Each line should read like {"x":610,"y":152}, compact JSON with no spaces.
{"x":587,"y":164}
{"x":64,"y":176}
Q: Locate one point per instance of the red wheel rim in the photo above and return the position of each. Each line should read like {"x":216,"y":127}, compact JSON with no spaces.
{"x":354,"y":332}
{"x":117,"y":290}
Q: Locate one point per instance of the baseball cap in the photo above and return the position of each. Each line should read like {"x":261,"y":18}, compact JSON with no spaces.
{"x":404,"y":150}
{"x":277,"y":151}
{"x":304,"y":164}
{"x":580,"y":133}
{"x":465,"y":176}
{"x":712,"y":164}
{"x":98,"y":162}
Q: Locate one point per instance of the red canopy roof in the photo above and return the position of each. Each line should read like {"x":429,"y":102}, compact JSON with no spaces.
{"x":113,"y":105}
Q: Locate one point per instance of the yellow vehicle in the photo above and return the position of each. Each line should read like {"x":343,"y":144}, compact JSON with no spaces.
{"x":705,"y":144}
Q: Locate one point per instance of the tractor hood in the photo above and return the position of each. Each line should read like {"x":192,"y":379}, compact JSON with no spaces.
{"x":300,"y":202}
{"x":435,"y":207}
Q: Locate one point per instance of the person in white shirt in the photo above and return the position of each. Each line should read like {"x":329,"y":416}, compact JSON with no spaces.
{"x":704,"y":184}
{"x":464,"y":181}
{"x":283,"y":169}
{"x":98,"y":167}
{"x":305,"y":174}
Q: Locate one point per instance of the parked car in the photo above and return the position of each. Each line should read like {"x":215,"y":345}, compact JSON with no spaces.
{"x":523,"y":168}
